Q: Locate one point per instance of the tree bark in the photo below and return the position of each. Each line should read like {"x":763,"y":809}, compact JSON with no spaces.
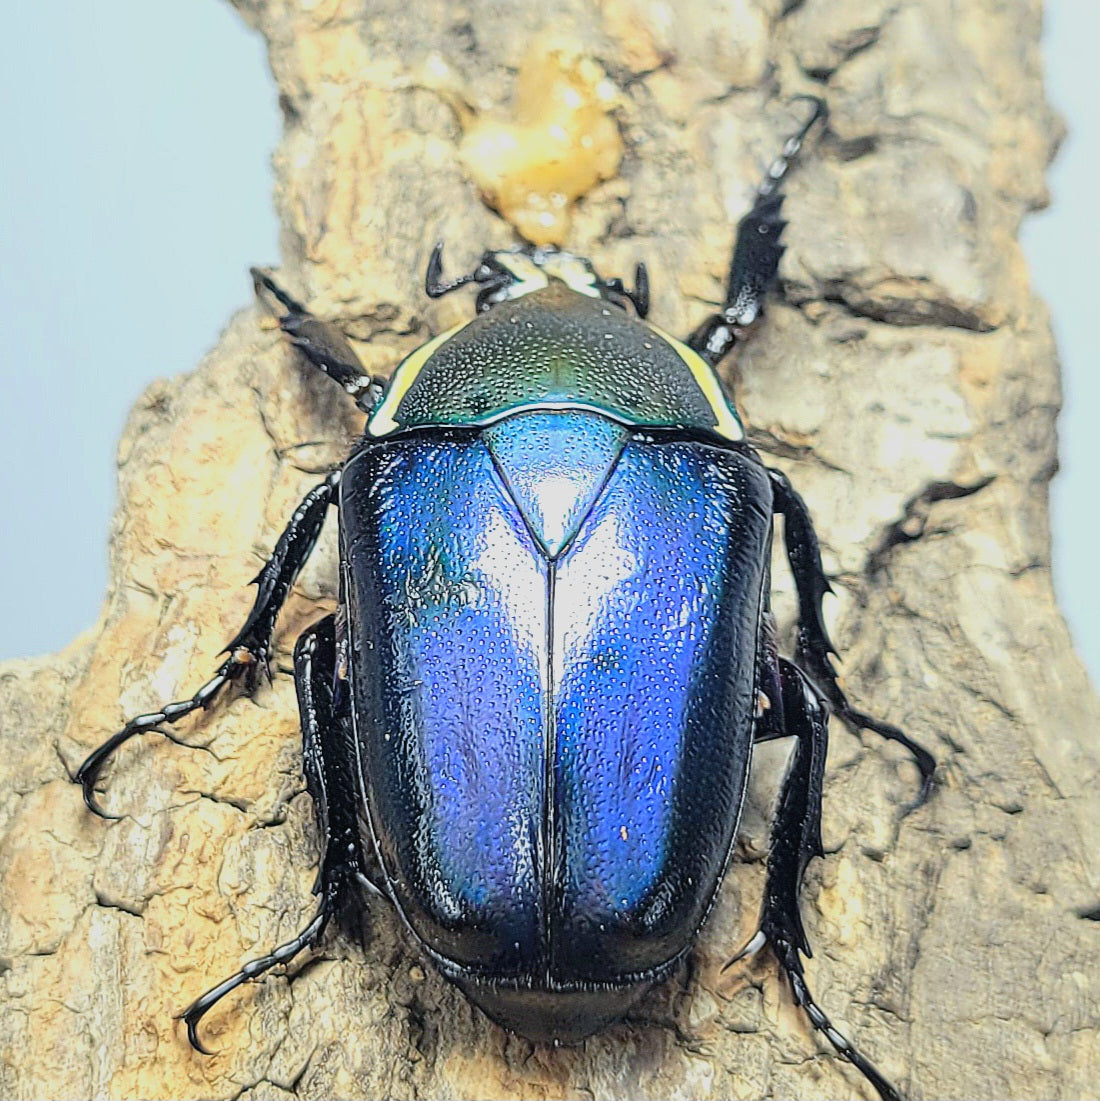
{"x":906,"y":380}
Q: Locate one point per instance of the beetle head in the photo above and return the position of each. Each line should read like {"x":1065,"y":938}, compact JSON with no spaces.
{"x":512,"y":273}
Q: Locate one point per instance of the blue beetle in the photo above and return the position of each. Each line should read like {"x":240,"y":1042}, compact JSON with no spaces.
{"x":529,"y":725}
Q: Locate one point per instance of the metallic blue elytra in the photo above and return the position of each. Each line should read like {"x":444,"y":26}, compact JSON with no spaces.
{"x":529,"y":723}
{"x":654,"y":608}
{"x":544,"y":741}
{"x":449,"y":679}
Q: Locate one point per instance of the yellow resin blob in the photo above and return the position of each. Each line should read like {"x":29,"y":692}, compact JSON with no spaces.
{"x":562,"y":142}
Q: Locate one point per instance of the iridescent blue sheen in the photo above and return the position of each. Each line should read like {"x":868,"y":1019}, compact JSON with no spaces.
{"x":653,"y":605}
{"x":447,"y":595}
{"x":553,"y":749}
{"x":554,"y":465}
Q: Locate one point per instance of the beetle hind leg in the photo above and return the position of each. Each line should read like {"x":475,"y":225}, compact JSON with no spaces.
{"x":328,"y":763}
{"x":795,"y":841}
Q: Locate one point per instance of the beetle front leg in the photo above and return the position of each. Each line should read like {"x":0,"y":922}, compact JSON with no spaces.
{"x":756,"y":256}
{"x":814,"y":646}
{"x":322,"y":344}
{"x":248,"y":651}
{"x":323,"y":704}
{"x":795,"y":841}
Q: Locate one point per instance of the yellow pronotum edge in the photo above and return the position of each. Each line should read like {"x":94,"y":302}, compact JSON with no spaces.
{"x":726,"y":422}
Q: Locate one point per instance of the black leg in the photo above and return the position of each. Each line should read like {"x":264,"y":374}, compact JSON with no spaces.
{"x":756,"y":256}
{"x":323,"y":345}
{"x":814,"y":647}
{"x":329,"y":754}
{"x":795,"y":841}
{"x":248,"y":651}
{"x":328,"y":762}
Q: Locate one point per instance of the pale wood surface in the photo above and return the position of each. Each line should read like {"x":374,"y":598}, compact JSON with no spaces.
{"x":908,"y":381}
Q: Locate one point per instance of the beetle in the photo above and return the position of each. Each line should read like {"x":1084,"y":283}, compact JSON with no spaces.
{"x":529,"y":724}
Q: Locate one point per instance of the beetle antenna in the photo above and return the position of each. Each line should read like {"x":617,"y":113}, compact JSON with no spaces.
{"x":434,"y":285}
{"x":640,"y":294}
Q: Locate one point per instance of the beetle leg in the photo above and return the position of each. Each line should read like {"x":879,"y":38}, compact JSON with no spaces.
{"x":795,"y":841}
{"x":814,"y":646}
{"x":248,"y":651}
{"x":769,"y":716}
{"x":756,"y":255}
{"x":323,"y":345}
{"x":328,"y":755}
{"x":328,"y":765}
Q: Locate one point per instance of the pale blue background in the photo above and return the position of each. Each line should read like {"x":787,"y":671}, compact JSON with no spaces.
{"x":134,"y":145}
